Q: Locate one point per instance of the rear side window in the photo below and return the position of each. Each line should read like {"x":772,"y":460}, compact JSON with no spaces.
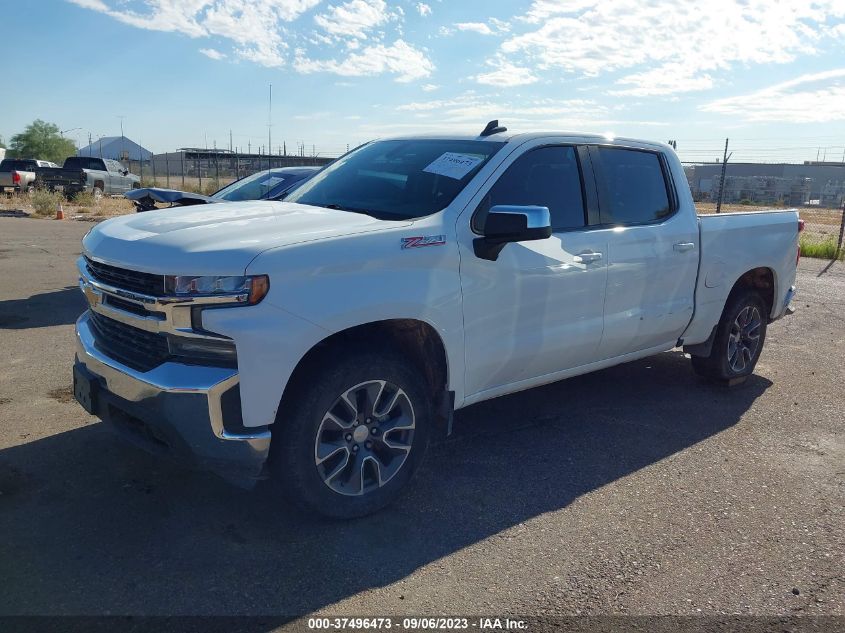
{"x":19,"y":165}
{"x":635,"y":187}
{"x":546,"y":177}
{"x":84,"y":162}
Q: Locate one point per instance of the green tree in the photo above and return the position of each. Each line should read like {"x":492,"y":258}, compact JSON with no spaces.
{"x":42,"y":140}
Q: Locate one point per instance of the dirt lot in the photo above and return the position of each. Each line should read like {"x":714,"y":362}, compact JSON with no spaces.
{"x":635,"y":490}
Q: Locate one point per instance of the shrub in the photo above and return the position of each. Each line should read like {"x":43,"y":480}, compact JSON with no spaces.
{"x":45,"y":202}
{"x":823,"y":249}
{"x":84,"y":199}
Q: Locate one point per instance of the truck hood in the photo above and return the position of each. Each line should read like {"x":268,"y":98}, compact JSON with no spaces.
{"x":217,"y":239}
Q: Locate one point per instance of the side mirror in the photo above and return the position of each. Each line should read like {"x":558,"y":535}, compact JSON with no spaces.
{"x":125,"y":172}
{"x":510,"y":223}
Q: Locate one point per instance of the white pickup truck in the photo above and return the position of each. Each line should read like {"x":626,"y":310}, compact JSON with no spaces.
{"x":320,"y":341}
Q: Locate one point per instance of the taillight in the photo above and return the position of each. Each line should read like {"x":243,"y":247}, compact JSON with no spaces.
{"x":16,"y":178}
{"x":800,"y":225}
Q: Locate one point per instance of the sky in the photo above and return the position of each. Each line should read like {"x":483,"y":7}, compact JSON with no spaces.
{"x":769,"y":74}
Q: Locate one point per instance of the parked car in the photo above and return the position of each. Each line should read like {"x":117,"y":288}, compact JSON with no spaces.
{"x":20,"y":174}
{"x":322,"y":340}
{"x":271,"y":184}
{"x":99,"y":176}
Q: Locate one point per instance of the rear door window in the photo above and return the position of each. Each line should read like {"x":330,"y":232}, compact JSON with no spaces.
{"x":635,"y":189}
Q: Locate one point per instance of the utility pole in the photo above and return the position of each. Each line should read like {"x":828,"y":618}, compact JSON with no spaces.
{"x":269,"y":129}
{"x":722,"y":179}
{"x":122,"y":137}
{"x":230,"y":140}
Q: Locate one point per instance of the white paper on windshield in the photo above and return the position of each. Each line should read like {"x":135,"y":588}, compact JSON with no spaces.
{"x":272,"y":181}
{"x":453,"y":165}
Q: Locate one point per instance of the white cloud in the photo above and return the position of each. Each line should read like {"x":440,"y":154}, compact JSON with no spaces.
{"x":595,"y":37}
{"x":212,"y":53}
{"x":506,"y":74}
{"x":668,"y":79}
{"x":470,"y":110}
{"x":424,"y":9}
{"x":354,"y":18}
{"x":811,"y":98}
{"x":255,"y":26}
{"x":475,"y":27}
{"x":430,"y":87}
{"x":400,"y":59}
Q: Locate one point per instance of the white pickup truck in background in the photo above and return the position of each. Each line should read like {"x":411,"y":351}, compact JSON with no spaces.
{"x":21,"y":174}
{"x":320,"y":341}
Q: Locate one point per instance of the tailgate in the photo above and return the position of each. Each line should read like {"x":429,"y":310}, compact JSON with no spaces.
{"x":64,"y":177}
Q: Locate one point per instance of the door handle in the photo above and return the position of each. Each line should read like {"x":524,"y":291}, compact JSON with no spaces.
{"x":684,"y":246}
{"x":586,"y":258}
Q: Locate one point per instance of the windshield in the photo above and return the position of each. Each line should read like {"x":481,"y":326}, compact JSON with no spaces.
{"x":253,"y":187}
{"x":399,"y":179}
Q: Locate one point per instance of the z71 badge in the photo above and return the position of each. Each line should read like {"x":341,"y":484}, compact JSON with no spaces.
{"x":423,"y":240}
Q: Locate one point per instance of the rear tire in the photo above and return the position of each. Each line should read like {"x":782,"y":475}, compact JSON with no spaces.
{"x":739,"y":338}
{"x":354,"y":434}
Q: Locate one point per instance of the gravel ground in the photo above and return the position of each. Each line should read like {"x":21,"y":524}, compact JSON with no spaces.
{"x":634,"y":490}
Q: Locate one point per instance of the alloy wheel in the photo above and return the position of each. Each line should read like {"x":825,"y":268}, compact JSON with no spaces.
{"x":744,"y":338}
{"x":364,"y":438}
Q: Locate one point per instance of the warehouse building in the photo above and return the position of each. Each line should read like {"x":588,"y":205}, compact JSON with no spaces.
{"x":810,"y":183}
{"x":115,"y":148}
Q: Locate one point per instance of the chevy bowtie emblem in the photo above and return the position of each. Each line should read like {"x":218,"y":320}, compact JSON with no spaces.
{"x":423,"y":240}
{"x":90,"y":294}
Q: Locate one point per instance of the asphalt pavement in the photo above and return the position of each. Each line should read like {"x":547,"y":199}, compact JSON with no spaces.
{"x":638,"y":489}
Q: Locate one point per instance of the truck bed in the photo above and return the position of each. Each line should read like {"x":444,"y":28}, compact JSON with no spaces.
{"x":730,"y":245}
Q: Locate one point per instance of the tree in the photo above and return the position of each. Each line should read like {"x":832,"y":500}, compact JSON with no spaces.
{"x":43,"y":141}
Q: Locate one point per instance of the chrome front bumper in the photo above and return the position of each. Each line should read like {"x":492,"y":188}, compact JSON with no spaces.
{"x":176,"y":410}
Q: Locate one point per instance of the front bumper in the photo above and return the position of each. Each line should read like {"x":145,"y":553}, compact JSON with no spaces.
{"x":175,"y":410}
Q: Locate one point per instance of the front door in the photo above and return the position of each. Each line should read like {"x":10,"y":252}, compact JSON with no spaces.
{"x":537,"y":309}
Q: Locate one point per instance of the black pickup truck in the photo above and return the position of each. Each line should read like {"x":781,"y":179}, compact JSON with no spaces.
{"x":99,"y":176}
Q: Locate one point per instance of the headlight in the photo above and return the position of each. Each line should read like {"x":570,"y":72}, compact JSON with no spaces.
{"x":249,"y":289}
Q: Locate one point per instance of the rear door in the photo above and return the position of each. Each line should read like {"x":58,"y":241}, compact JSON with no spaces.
{"x":652,"y":252}
{"x":537,"y":309}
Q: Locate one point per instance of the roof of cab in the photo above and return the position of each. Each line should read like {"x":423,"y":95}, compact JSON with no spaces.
{"x":522,"y":137}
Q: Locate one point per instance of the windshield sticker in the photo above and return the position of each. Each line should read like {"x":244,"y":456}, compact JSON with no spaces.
{"x":272,"y":181}
{"x":453,"y":165}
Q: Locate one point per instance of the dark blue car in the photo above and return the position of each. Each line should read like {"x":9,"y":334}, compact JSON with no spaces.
{"x":272,"y":184}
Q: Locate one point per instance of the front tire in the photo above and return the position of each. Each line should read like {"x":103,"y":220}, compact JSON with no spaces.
{"x":353,"y":436}
{"x":739,"y":339}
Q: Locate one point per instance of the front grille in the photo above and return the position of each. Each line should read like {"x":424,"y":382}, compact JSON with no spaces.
{"x":134,"y":281}
{"x":133,"y":347}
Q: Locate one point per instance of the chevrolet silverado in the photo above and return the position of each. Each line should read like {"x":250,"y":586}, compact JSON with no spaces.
{"x":320,"y":341}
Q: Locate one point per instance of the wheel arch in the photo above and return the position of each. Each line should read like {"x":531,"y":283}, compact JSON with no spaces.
{"x":762,"y":279}
{"x":416,"y":339}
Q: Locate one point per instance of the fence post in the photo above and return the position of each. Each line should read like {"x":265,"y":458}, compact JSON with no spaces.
{"x":838,"y":253}
{"x":167,"y":168}
{"x":722,"y":179}
{"x":182,"y":160}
